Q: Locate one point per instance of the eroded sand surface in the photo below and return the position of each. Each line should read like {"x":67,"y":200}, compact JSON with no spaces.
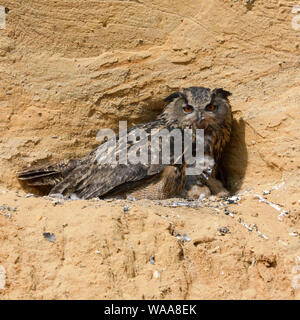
{"x":145,"y":249}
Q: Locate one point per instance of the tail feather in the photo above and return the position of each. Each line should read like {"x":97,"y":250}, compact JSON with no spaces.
{"x":47,"y":174}
{"x":35,"y":174}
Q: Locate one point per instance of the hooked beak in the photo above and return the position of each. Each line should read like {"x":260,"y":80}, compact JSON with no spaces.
{"x":199,"y":119}
{"x":199,"y":116}
{"x":200,"y":122}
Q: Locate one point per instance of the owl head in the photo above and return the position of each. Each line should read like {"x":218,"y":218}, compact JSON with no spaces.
{"x":198,"y":108}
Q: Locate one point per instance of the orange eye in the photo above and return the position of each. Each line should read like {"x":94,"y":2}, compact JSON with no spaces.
{"x":188,"y":109}
{"x":210,"y":107}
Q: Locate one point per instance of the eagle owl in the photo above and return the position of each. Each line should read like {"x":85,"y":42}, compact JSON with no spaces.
{"x":193,"y":108}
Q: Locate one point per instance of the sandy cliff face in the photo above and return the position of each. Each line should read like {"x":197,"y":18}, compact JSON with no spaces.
{"x":69,"y":68}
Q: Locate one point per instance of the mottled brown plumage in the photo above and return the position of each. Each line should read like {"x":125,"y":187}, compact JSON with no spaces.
{"x":194,"y":108}
{"x":167,"y":184}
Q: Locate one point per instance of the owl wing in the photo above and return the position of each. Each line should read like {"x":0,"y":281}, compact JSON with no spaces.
{"x":97,"y":173}
{"x":93,"y":180}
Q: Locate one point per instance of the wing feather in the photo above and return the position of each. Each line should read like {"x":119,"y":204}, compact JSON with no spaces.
{"x":98,"y":172}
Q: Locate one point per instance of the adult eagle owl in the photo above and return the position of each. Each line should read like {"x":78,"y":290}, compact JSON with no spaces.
{"x":193,"y":108}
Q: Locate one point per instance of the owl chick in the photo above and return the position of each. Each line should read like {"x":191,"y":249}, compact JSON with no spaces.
{"x":95,"y":176}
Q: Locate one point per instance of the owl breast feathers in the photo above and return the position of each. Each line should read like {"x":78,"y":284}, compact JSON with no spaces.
{"x":95,"y":176}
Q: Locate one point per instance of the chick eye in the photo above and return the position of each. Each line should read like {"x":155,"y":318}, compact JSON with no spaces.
{"x":210,"y":107}
{"x":188,"y":109}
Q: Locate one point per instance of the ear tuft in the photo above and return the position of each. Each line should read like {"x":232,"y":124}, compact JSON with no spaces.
{"x":175,"y":95}
{"x":221,"y":93}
